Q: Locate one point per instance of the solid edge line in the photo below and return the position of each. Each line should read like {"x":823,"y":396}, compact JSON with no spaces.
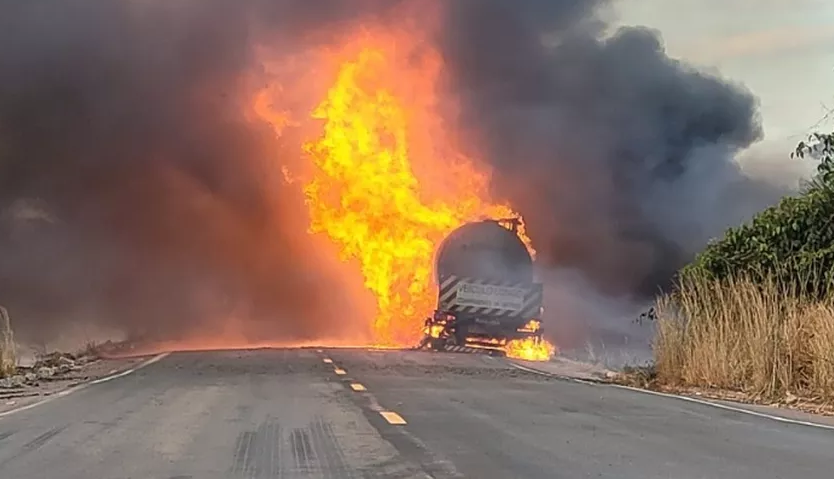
{"x":727,"y":407}
{"x":704,"y":402}
{"x":79,"y":387}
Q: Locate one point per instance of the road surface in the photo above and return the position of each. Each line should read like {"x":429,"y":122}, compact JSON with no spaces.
{"x":290,"y":414}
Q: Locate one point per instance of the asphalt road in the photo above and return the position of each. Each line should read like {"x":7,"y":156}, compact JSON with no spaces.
{"x":287,"y":413}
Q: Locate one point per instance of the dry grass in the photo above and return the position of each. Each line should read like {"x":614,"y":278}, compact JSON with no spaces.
{"x":762,"y":340}
{"x":8,"y":357}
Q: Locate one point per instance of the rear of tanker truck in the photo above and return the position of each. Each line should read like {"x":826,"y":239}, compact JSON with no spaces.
{"x":487,"y":293}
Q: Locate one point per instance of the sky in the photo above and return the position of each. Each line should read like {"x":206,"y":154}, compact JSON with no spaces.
{"x":783,"y":50}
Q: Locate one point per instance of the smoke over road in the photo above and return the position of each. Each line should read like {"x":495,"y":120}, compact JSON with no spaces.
{"x":139,"y":194}
{"x":125,"y":122}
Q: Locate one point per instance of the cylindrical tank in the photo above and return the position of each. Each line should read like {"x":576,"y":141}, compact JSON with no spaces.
{"x":484,"y":250}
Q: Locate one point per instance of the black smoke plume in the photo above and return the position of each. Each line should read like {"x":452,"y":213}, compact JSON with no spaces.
{"x":620,"y":157}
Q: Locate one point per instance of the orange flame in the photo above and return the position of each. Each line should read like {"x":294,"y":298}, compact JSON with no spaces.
{"x":530,"y":349}
{"x":388,"y":179}
{"x":366,"y":195}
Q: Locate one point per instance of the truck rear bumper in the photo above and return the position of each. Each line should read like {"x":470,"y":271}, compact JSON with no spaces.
{"x":442,"y":329}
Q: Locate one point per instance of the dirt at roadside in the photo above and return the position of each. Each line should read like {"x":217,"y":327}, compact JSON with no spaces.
{"x":565,"y":367}
{"x":788,"y":406}
{"x":55,"y":374}
{"x":788,"y":403}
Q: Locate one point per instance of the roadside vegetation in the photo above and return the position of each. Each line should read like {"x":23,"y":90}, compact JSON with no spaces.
{"x":753,"y":314}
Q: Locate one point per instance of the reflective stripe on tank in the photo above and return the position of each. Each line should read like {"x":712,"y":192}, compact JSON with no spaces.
{"x":449,"y":288}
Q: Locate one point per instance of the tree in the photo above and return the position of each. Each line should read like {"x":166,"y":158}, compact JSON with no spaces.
{"x":792,"y":241}
{"x":819,"y":146}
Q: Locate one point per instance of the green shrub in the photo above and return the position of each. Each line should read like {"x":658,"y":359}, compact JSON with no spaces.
{"x":792,"y":241}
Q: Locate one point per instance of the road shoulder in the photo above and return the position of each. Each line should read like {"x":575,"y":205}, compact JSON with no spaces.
{"x":566,"y":368}
{"x":20,"y":395}
{"x":574,"y":370}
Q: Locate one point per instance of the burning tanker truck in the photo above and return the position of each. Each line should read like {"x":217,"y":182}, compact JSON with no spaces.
{"x":487,"y":293}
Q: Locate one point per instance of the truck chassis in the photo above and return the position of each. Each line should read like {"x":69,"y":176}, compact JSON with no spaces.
{"x":443,"y":329}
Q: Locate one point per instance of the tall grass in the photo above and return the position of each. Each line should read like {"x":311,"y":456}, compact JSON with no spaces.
{"x":8,"y":357}
{"x":763,"y":338}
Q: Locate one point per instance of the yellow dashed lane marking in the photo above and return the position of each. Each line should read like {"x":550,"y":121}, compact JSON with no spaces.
{"x":357,"y":387}
{"x":393,"y":418}
{"x":340,"y":372}
{"x":327,"y":361}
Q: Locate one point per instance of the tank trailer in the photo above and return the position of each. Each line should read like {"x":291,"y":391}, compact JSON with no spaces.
{"x":487,"y":293}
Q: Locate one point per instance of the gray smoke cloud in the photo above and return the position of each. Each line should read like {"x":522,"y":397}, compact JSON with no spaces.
{"x":620,"y":157}
{"x":133,"y":185}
